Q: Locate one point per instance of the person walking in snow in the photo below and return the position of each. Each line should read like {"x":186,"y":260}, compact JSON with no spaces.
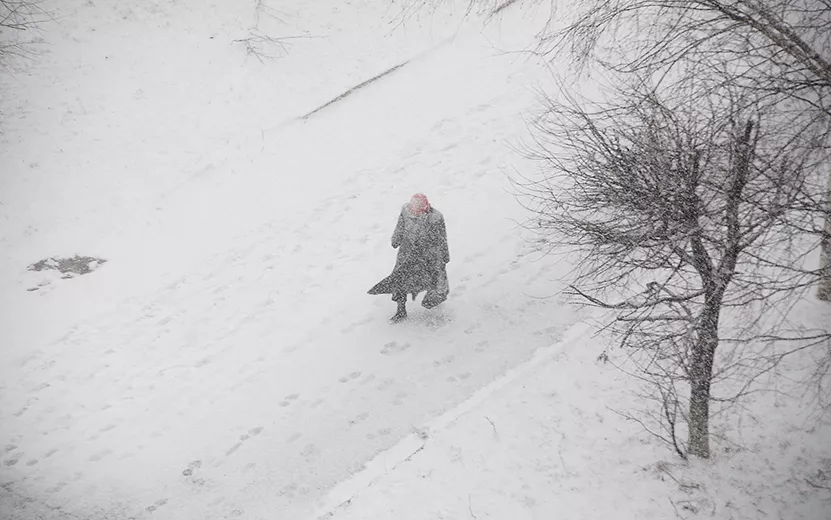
{"x":421,"y":239}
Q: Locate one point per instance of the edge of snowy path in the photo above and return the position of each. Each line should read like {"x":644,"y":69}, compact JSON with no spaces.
{"x":386,"y":461}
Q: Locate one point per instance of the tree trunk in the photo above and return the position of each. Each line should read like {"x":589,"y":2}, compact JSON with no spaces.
{"x":824,"y":289}
{"x":701,"y":373}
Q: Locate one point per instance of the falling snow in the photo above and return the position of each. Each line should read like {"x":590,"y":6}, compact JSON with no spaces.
{"x":226,"y":361}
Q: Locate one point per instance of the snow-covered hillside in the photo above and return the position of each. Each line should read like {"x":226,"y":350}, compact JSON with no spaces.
{"x":229,"y":332}
{"x":225,"y":361}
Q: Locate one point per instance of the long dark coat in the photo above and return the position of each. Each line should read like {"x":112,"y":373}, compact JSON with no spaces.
{"x":422,"y":258}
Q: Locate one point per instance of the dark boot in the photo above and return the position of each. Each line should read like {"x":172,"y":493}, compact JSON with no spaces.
{"x":401,"y":313}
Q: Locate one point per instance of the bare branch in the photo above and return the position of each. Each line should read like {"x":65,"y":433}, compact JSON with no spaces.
{"x":702,"y":188}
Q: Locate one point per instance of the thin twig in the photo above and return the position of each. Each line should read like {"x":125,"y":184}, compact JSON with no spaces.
{"x":470,"y":506}
{"x":495,"y":433}
{"x":677,"y":513}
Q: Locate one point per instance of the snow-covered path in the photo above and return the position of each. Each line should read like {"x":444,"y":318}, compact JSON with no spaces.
{"x":226,"y":360}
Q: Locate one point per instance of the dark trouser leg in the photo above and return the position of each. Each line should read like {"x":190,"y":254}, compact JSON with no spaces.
{"x":401,"y":299}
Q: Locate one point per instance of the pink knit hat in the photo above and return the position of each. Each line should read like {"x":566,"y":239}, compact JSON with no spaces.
{"x":419,"y":204}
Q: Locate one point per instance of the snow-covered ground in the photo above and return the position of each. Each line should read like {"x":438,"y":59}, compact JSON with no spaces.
{"x":229,"y":332}
{"x":226,"y":361}
{"x":547,"y":441}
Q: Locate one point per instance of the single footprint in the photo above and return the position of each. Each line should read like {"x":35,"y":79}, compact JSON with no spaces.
{"x":464,"y":375}
{"x":394,"y":347}
{"x":353,"y":375}
{"x":359,"y":418}
{"x":57,"y":487}
{"x":472,"y":328}
{"x":293,"y":438}
{"x":98,"y":456}
{"x":310,"y":450}
{"x":445,"y":360}
{"x":386,"y":383}
{"x":291,"y":348}
{"x":399,"y":398}
{"x":367,"y":378}
{"x":192,"y":466}
{"x":287,"y":490}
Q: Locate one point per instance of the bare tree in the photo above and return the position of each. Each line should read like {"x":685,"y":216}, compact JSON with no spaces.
{"x":18,"y":17}
{"x":684,"y":207}
{"x":824,"y":289}
{"x":488,"y":9}
{"x":778,"y":47}
{"x":258,"y":43}
{"x":756,"y":78}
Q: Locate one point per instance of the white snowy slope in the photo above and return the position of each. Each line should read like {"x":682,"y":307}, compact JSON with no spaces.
{"x":226,"y":360}
{"x":549,"y":441}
